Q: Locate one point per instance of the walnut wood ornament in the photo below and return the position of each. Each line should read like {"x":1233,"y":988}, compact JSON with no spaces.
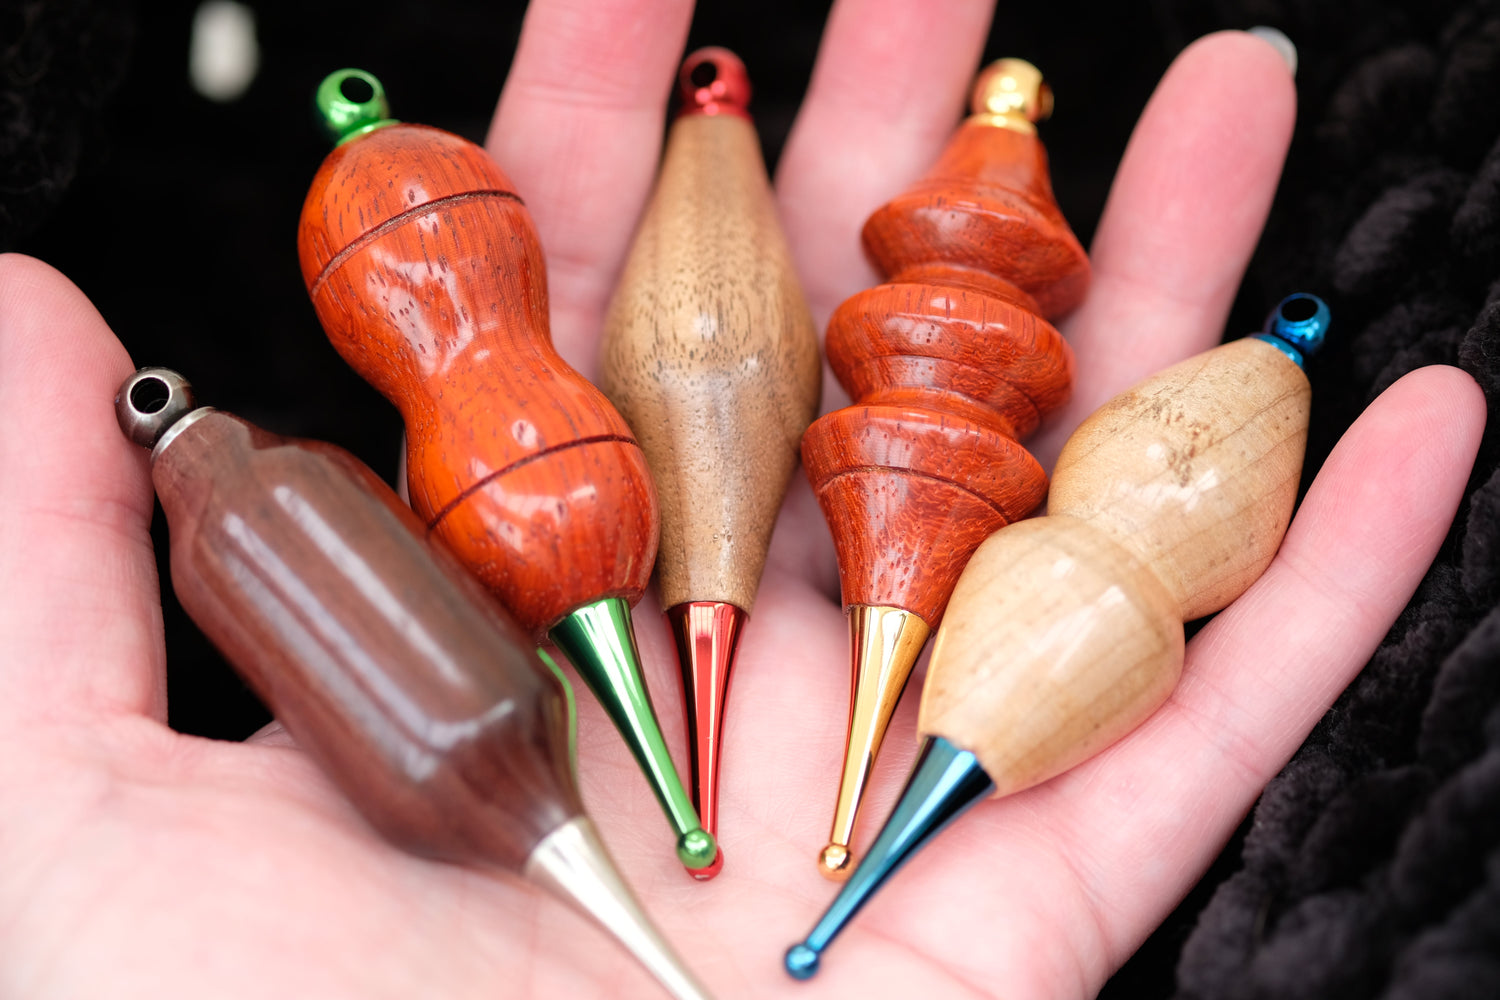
{"x":711,"y":355}
{"x":1065,"y":631}
{"x":949,"y":362}
{"x":426,"y":273}
{"x":395,"y":671}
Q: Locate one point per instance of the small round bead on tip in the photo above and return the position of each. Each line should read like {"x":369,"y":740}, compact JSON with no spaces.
{"x":801,"y":962}
{"x":704,"y":874}
{"x":699,"y":852}
{"x":835,"y":862}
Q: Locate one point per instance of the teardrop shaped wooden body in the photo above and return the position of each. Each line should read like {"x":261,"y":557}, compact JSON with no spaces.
{"x":949,"y":363}
{"x":1065,"y":631}
{"x":390,"y":665}
{"x":426,"y":273}
{"x":711,"y":354}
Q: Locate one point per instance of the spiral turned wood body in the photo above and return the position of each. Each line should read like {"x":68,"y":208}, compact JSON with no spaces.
{"x":426,"y":273}
{"x":949,"y":362}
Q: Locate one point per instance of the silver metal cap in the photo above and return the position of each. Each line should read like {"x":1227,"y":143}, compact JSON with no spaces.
{"x":151,"y":401}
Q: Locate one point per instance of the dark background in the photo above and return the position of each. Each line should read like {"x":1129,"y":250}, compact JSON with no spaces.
{"x":1372,"y":868}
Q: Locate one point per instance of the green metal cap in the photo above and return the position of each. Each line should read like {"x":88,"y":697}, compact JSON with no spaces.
{"x":351,"y":103}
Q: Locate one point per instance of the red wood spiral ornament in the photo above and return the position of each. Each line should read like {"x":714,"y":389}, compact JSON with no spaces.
{"x":949,"y":363}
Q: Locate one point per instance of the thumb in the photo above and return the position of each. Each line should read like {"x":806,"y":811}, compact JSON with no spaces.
{"x":80,"y":611}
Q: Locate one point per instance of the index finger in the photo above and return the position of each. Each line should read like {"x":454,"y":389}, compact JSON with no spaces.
{"x":579,"y":129}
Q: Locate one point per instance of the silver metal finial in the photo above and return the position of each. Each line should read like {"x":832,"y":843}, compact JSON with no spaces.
{"x":571,"y":862}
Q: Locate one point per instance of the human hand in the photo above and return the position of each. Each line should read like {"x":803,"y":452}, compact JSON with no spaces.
{"x":136,"y":859}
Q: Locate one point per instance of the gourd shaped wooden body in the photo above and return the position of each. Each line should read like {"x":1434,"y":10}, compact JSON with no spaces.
{"x":1065,"y":632}
{"x":949,"y":362}
{"x":396,"y":672}
{"x":426,"y":273}
{"x":427,"y":276}
{"x":711,"y":354}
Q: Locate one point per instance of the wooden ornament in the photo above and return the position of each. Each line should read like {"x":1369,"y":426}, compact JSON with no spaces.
{"x":711,"y":354}
{"x":949,"y":362}
{"x":1065,"y":632}
{"x":709,"y":349}
{"x":395,"y":671}
{"x":427,"y":276}
{"x":426,"y":273}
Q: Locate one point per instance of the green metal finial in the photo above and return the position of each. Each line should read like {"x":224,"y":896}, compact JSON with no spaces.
{"x":599,"y":639}
{"x":351,"y":102}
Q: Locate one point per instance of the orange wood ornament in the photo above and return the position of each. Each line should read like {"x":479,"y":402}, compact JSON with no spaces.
{"x":949,"y":362}
{"x":425,"y":270}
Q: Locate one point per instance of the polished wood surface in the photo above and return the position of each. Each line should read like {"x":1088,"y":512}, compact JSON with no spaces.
{"x":949,"y":362}
{"x":711,"y":354}
{"x":1065,"y":632}
{"x":390,"y":665}
{"x":426,"y":273}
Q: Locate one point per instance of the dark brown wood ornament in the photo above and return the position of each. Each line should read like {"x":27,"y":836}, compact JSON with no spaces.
{"x":393,"y":668}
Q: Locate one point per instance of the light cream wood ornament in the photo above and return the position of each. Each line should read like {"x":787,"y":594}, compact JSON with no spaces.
{"x":1065,"y":632}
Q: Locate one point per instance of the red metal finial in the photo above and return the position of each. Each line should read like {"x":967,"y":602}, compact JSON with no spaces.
{"x":713,"y":81}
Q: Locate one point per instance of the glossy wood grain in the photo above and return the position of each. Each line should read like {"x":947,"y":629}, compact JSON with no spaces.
{"x":421,"y":699}
{"x":949,"y":362}
{"x":1065,"y":632}
{"x":426,"y":273}
{"x":711,"y":354}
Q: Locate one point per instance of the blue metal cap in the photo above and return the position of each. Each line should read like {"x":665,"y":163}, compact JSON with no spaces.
{"x":1297,"y":325}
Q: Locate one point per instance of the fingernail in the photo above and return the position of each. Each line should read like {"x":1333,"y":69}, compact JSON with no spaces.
{"x":1278,"y":41}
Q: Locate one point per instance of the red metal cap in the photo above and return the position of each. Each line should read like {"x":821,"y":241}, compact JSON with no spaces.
{"x":713,"y":81}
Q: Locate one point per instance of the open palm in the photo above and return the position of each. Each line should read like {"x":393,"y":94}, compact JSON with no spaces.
{"x":137,"y":861}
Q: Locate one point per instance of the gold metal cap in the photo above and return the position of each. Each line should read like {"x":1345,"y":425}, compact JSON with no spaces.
{"x":1010,"y":93}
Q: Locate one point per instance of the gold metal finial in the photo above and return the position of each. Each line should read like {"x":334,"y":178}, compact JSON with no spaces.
{"x":885,"y":643}
{"x":1010,"y":93}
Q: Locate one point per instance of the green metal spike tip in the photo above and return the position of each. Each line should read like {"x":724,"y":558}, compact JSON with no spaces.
{"x":351,"y":103}
{"x":599,"y":640}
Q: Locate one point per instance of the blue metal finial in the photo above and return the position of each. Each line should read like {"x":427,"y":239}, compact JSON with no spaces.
{"x":1297,"y":326}
{"x":944,"y":783}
